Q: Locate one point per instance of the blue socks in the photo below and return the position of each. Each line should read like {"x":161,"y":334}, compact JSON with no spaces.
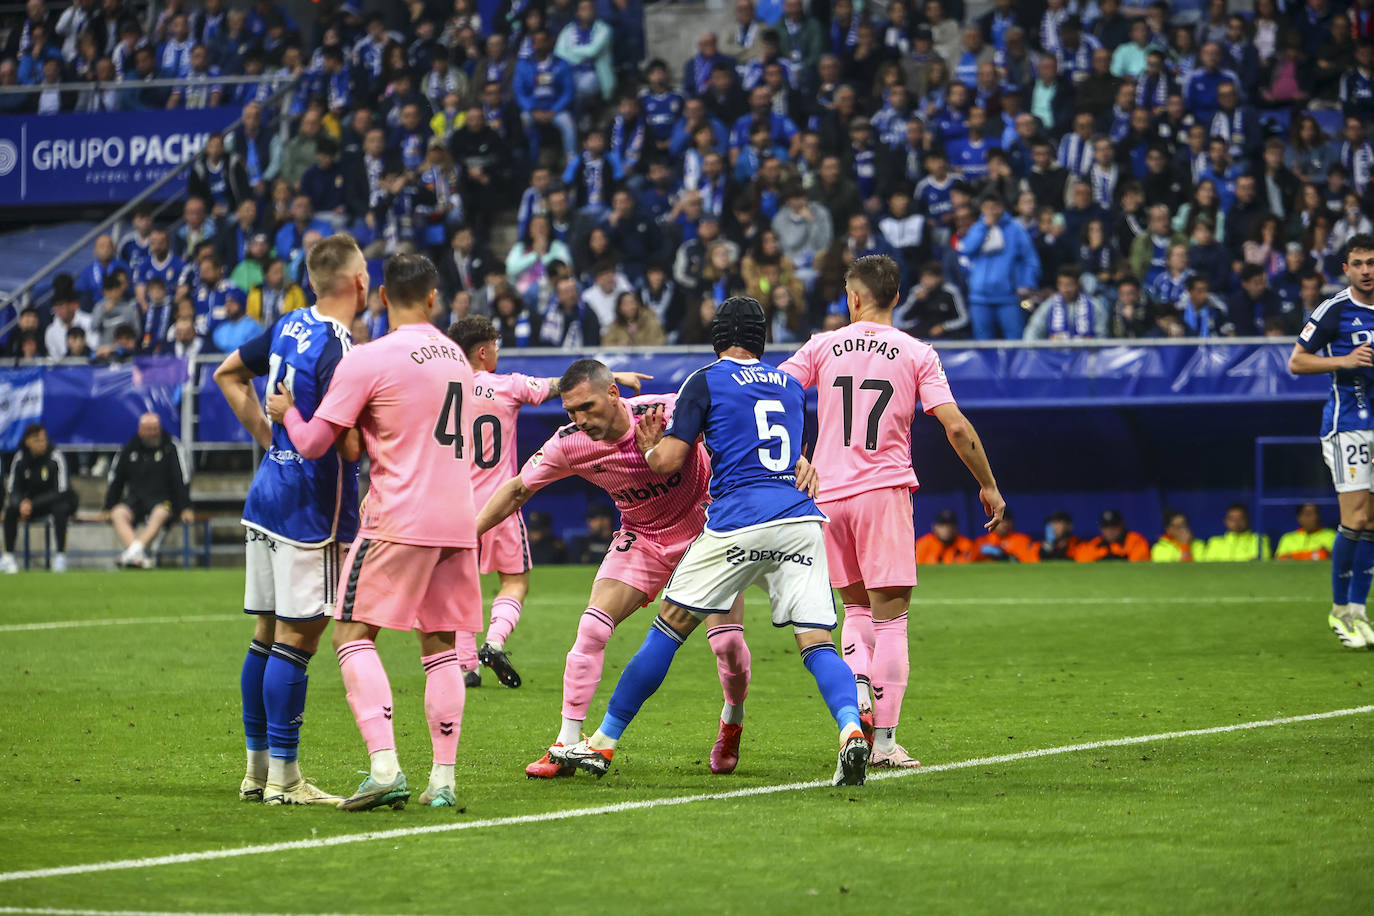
{"x":250,"y":685}
{"x":644,"y":675}
{"x":283,"y":696}
{"x":1362,"y":568}
{"x":836,"y":682}
{"x":1342,"y":564}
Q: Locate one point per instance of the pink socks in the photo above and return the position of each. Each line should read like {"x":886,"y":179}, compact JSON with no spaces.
{"x":505,"y":614}
{"x":582,"y":673}
{"x":732,"y":660}
{"x":369,"y":693}
{"x":444,"y":697}
{"x":466,"y":646}
{"x":857,"y":640}
{"x":890,"y":669}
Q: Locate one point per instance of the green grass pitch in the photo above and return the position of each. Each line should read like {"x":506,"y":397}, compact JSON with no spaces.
{"x":123,"y":742}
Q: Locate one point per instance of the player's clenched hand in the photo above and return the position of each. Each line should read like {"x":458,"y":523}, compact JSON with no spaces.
{"x":630,"y":380}
{"x":1361,"y":356}
{"x":350,"y":445}
{"x":808,"y":479}
{"x":278,"y":403}
{"x":649,"y":431}
{"x":994,"y":505}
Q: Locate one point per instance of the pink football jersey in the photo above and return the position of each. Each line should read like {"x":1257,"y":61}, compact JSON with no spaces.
{"x":868,"y":378}
{"x":497,"y":400}
{"x":409,"y":393}
{"x":663,"y":508}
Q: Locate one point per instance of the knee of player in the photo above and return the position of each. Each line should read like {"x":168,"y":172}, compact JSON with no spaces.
{"x":807,"y":637}
{"x":679,"y":619}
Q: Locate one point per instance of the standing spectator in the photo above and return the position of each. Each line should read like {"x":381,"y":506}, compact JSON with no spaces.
{"x":799,"y":36}
{"x":298,"y":153}
{"x":1113,"y":542}
{"x":37,"y":486}
{"x":148,"y":487}
{"x":943,"y":543}
{"x":544,"y":89}
{"x":585,"y":44}
{"x":274,"y":296}
{"x":1311,"y":541}
{"x":290,"y":242}
{"x":111,"y":312}
{"x":323,"y":184}
{"x":1177,"y":543}
{"x":1004,"y":270}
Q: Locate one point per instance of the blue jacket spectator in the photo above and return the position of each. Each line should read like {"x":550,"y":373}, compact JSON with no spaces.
{"x":1200,"y":91}
{"x":1003,"y":267}
{"x":544,"y":91}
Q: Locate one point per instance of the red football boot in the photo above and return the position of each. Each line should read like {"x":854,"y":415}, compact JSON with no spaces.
{"x":725,"y":755}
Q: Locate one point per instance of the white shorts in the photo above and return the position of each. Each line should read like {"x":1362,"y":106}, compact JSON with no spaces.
{"x":293,"y":583}
{"x":1347,"y":456}
{"x":786,"y":560}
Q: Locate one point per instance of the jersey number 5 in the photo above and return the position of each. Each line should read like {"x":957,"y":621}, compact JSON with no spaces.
{"x":884,"y":388}
{"x":451,"y":411}
{"x":770,"y":433}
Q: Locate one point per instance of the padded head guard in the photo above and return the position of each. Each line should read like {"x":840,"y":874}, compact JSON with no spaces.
{"x":739,"y":322}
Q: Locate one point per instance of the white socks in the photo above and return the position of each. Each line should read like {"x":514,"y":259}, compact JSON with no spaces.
{"x":257,"y":765}
{"x":1356,"y":610}
{"x":885,"y":740}
{"x":441,"y":775}
{"x":732,"y":715}
{"x":385,"y":766}
{"x":865,"y":697}
{"x":284,"y":773}
{"x":570,"y":732}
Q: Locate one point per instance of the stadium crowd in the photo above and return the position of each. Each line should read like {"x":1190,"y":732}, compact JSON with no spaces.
{"x":1051,"y":169}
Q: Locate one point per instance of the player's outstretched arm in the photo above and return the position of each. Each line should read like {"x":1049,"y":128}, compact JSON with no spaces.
{"x":963,"y":438}
{"x":235,"y":380}
{"x":1300,"y":362}
{"x":505,"y":502}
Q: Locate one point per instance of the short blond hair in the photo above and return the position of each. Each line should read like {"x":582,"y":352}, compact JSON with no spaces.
{"x":328,"y":258}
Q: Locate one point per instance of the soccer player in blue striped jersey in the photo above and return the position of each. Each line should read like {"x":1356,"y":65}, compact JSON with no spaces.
{"x":762,"y":528}
{"x":1337,"y":340}
{"x":298,"y":513}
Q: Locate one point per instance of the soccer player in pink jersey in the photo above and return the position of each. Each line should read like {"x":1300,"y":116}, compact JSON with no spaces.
{"x":414,"y":563}
{"x":504,"y":549}
{"x":869,"y":377}
{"x":661,"y":514}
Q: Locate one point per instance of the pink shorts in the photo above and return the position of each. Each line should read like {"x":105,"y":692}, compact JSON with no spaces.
{"x":408,"y":587}
{"x":505,"y":548}
{"x":871,"y":538}
{"x":641,"y":563}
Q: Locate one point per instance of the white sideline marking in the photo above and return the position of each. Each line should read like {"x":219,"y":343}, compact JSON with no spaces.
{"x":916,"y":600}
{"x":113,"y":622}
{"x":351,"y":838}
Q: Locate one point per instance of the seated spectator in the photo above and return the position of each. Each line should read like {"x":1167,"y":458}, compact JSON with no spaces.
{"x":219,"y":178}
{"x":943,"y":543}
{"x":297,"y":154}
{"x":464,"y":266}
{"x":529,"y":258}
{"x":934,"y":308}
{"x":634,"y":325}
{"x":122,"y":346}
{"x":1113,"y":542}
{"x":212,"y":293}
{"x":236,"y":328}
{"x":631,"y":232}
{"x":77,"y":347}
{"x":1149,"y":252}
{"x":1070,"y":314}
{"x":112,"y":311}
{"x":197,"y":227}
{"x":660,"y":293}
{"x":1238,"y":543}
{"x":66,"y":315}
{"x":1311,"y":541}
{"x":591,"y":176}
{"x":158,"y":317}
{"x":324,"y":184}
{"x":89,"y":283}
{"x":274,"y":296}
{"x":37,"y":486}
{"x":568,"y":322}
{"x":1176,"y":545}
{"x":1170,"y":284}
{"x":1254,"y":305}
{"x":1201,"y":314}
{"x":186,"y":343}
{"x":601,"y":297}
{"x":147,"y":488}
{"x":1005,"y":544}
{"x":1132,"y":316}
{"x":290,"y":241}
{"x":545,"y":549}
{"x":592,"y":546}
